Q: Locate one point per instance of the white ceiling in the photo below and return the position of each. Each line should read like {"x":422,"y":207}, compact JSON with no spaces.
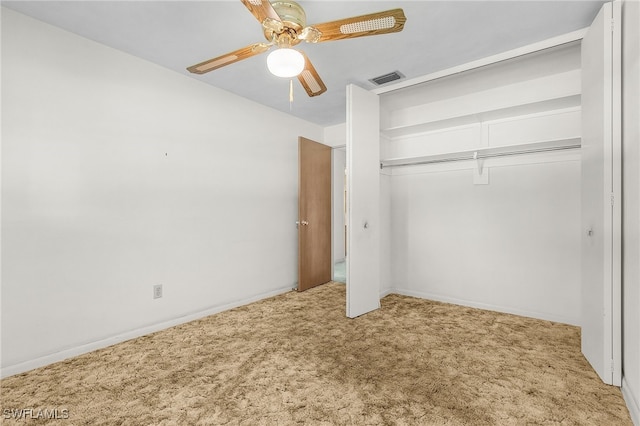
{"x":437,"y":35}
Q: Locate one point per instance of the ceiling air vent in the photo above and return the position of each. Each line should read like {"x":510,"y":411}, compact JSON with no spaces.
{"x":387,"y":78}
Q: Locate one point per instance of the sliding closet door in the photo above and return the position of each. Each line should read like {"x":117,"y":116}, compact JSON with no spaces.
{"x":363,"y":201}
{"x":601,"y":202}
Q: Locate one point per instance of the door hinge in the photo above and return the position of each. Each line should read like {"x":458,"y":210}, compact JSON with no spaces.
{"x":612,"y":366}
{"x":612,"y":199}
{"x":612,"y":24}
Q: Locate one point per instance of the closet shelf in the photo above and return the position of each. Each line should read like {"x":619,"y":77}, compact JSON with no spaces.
{"x":485,"y":152}
{"x":481,"y":116}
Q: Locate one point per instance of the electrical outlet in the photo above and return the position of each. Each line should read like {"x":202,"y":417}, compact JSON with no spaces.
{"x":157,"y":291}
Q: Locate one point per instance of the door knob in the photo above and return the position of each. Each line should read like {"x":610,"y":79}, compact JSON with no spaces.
{"x":304,"y":222}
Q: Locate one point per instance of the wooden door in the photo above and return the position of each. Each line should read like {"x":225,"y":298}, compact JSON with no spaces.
{"x":601,"y":200}
{"x":363,"y":201}
{"x":314,"y":214}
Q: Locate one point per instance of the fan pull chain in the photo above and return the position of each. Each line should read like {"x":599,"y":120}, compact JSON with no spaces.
{"x":291,"y":95}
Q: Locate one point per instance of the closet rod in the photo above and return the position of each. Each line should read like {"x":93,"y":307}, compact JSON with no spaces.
{"x":480,"y":155}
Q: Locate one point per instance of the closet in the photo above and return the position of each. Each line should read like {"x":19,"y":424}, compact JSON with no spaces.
{"x":485,"y":172}
{"x":466,"y":187}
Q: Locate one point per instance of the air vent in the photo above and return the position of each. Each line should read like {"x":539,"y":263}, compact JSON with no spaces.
{"x":387,"y":78}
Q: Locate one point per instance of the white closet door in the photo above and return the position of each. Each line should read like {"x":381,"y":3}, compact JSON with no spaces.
{"x":601,"y":202}
{"x":363,"y":201}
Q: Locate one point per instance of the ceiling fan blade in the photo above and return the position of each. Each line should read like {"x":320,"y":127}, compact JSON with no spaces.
{"x":310,"y":79}
{"x":262,"y":10}
{"x":390,"y":21}
{"x":229,"y":58}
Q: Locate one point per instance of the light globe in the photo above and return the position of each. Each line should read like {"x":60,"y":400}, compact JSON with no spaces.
{"x":285,"y":62}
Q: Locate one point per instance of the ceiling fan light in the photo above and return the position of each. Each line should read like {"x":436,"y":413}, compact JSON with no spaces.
{"x":285,"y":62}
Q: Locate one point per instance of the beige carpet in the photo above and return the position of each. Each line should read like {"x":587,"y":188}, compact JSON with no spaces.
{"x":296,"y":359}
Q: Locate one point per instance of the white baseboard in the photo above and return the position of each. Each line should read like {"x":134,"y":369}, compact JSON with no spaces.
{"x":632,"y":401}
{"x":386,"y":292}
{"x":486,"y":306}
{"x":119,"y":338}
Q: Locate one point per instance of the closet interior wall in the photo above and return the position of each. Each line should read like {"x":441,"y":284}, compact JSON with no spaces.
{"x":500,"y":233}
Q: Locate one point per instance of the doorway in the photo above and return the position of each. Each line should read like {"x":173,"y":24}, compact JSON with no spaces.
{"x":339,"y":157}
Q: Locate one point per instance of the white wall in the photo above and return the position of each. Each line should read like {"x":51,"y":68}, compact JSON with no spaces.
{"x":118,"y":175}
{"x":339,"y":164}
{"x":386,"y":277}
{"x":511,"y":246}
{"x":511,"y":242}
{"x":336,"y":136}
{"x":631,"y":205}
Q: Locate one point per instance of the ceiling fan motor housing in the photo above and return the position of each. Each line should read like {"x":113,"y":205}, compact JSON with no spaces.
{"x":291,"y":13}
{"x":293,"y":20}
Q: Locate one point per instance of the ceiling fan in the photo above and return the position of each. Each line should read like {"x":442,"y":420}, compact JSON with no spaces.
{"x":284,"y":25}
